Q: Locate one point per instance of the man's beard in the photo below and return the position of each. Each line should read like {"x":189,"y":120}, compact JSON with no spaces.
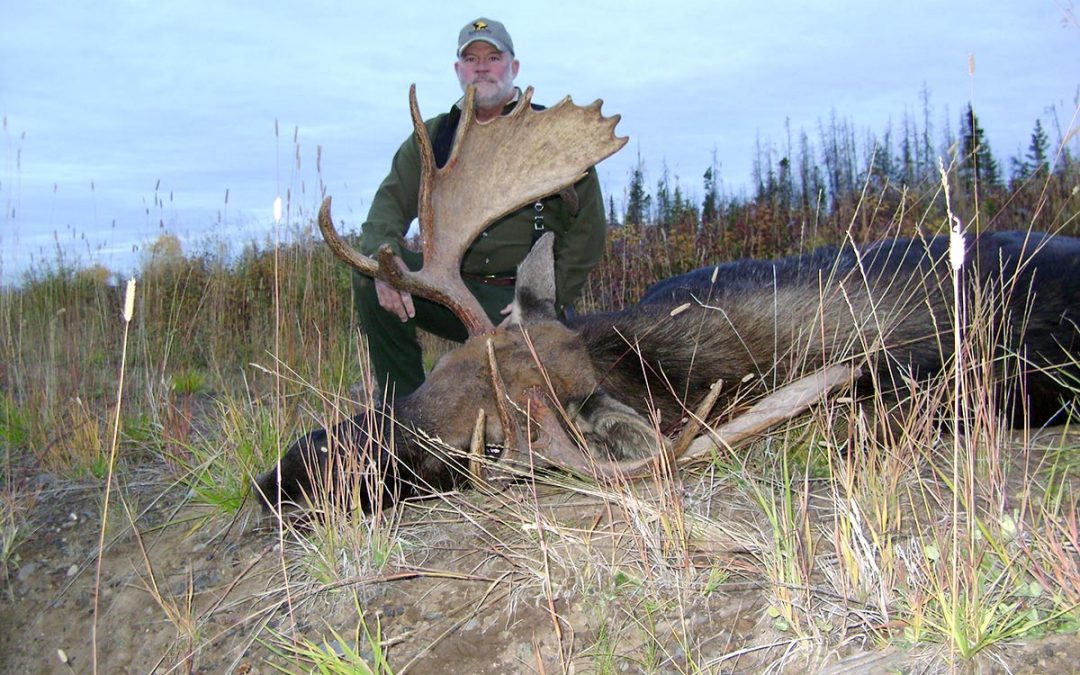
{"x":502,"y":91}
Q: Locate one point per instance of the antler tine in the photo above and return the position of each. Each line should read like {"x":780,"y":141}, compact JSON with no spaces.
{"x":424,"y":211}
{"x":468,"y":116}
{"x":383,"y":269}
{"x":524,"y":104}
{"x":476,"y":449}
{"x":511,"y":430}
{"x":457,"y":299}
{"x":783,"y":404}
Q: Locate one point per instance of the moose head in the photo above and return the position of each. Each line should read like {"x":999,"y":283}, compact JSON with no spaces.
{"x":497,"y":391}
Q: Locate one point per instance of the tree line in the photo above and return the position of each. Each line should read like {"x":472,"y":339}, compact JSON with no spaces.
{"x":819,"y":188}
{"x":844,"y":174}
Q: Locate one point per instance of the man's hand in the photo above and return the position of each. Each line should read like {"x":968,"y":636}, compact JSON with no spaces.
{"x":398,"y":303}
{"x":505,"y":311}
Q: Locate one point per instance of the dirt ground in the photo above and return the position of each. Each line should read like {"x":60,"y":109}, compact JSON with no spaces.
{"x":468,"y":590}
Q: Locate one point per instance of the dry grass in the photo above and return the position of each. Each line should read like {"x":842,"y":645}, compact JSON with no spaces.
{"x":837,"y":533}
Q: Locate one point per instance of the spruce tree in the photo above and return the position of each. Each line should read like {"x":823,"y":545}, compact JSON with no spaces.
{"x":638,"y":200}
{"x":978,"y":167}
{"x":710,"y":207}
{"x":1038,"y":157}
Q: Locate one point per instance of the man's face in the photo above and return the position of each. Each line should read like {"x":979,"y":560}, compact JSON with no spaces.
{"x":492,"y":72}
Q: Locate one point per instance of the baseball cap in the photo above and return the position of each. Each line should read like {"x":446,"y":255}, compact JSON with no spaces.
{"x":492,"y":32}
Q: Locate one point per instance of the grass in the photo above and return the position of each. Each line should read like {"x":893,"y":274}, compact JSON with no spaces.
{"x":837,"y":534}
{"x":364,"y":654}
{"x":218,"y":467}
{"x":15,"y":527}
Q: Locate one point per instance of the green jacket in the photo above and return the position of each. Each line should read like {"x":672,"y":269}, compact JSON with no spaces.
{"x":579,"y":238}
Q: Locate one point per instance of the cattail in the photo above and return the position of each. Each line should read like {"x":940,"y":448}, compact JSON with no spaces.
{"x":956,"y":245}
{"x":129,"y":301}
{"x":956,"y":230}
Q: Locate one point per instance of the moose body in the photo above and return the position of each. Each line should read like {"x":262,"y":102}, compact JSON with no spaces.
{"x":750,"y":325}
{"x":754,"y":324}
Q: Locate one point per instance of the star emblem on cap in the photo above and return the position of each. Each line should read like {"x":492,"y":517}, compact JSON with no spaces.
{"x":480,"y":25}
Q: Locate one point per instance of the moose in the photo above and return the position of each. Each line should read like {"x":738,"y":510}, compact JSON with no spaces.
{"x":607,"y":393}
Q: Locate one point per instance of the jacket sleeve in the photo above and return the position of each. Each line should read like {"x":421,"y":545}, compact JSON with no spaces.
{"x":394,"y":206}
{"x":579,"y":247}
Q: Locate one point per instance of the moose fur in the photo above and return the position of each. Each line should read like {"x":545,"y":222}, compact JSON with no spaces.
{"x":752,"y":325}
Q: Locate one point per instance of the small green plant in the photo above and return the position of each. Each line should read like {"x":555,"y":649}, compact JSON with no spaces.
{"x":364,"y":654}
{"x":78,"y":446}
{"x":14,"y":422}
{"x":344,"y":544}
{"x":189,"y":382}
{"x":717,"y":578}
{"x":652,"y":650}
{"x":15,"y":528}
{"x":602,"y":649}
{"x":986,"y":605}
{"x":219,"y":470}
{"x":790,"y":552}
{"x":139,"y":432}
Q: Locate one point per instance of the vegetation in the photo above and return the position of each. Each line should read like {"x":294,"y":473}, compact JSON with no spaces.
{"x":806,"y":194}
{"x":854,"y":534}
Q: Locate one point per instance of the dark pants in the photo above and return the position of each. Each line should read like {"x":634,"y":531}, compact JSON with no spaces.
{"x":392,"y":344}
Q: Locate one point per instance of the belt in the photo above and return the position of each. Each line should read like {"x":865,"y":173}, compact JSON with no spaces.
{"x":491,"y":279}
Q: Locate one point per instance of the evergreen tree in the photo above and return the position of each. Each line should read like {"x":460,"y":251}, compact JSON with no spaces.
{"x":884,"y":161}
{"x":811,"y":184}
{"x":908,"y":151}
{"x":978,"y":167}
{"x":759,"y":172}
{"x":785,"y":186}
{"x":1038,"y":156}
{"x":840,"y":155}
{"x":612,"y":219}
{"x":710,"y":207}
{"x":665,"y":208}
{"x":925,"y":161}
{"x":638,"y":200}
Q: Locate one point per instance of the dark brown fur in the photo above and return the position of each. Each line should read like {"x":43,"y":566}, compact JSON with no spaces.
{"x":762,"y":322}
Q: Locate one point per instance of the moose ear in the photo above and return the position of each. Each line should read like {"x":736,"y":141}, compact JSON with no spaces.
{"x":612,"y":428}
{"x":534,"y":293}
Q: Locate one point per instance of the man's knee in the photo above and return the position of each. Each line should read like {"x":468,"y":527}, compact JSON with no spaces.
{"x":362,"y":284}
{"x":364,"y":292}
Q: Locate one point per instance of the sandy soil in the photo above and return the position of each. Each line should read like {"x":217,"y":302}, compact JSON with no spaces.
{"x":467,"y":590}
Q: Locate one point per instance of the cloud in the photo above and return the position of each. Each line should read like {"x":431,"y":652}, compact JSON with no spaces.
{"x":128,"y":94}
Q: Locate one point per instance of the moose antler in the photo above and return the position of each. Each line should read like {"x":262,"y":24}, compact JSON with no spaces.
{"x":495,"y":168}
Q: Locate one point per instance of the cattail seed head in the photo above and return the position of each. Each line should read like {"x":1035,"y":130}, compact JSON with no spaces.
{"x":956,"y":245}
{"x":129,"y":301}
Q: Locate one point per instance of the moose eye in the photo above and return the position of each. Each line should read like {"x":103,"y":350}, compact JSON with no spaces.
{"x":493,"y":451}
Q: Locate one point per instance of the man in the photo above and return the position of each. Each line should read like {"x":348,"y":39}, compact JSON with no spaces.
{"x":388,"y":317}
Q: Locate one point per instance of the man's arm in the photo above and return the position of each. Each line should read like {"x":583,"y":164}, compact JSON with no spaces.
{"x":394,"y":206}
{"x":393,"y":209}
{"x":579,"y":247}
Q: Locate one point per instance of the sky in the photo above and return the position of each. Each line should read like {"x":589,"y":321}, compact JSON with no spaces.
{"x":123,"y":120}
